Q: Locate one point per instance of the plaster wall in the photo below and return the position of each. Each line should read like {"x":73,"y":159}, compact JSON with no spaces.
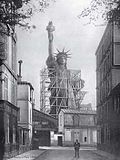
{"x":23,"y":92}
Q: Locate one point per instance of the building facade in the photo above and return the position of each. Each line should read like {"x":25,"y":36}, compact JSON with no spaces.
{"x":25,"y":102}
{"x":43,"y":124}
{"x":108,"y":95}
{"x":77,"y":124}
{"x":8,"y":91}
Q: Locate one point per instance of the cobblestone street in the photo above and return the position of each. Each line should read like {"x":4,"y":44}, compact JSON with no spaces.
{"x":65,"y":153}
{"x":68,"y":154}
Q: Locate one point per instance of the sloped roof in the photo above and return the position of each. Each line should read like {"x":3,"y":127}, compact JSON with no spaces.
{"x":25,"y":83}
{"x":76,"y":111}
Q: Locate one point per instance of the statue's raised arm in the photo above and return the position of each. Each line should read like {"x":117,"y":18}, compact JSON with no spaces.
{"x":51,"y":63}
{"x":50,"y":28}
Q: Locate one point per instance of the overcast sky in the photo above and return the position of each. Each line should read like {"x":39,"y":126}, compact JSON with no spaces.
{"x":71,"y":33}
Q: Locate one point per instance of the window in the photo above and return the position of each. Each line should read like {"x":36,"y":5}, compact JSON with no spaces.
{"x":99,"y":135}
{"x":116,"y":57}
{"x":30,"y":116}
{"x":60,"y":120}
{"x":13,"y":92}
{"x":6,"y":89}
{"x":94,"y":134}
{"x":10,"y":51}
{"x":116,"y":103}
{"x":68,"y":119}
{"x":85,"y":139}
{"x":23,"y":137}
{"x":7,"y":129}
{"x":14,"y":134}
{"x":68,"y":135}
{"x":31,"y":95}
{"x":13,"y":55}
{"x":3,"y":46}
{"x":76,"y":120}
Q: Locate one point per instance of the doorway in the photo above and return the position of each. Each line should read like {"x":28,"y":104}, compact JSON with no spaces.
{"x":59,"y":140}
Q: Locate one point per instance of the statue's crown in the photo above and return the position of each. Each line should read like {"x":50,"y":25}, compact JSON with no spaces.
{"x":62,"y":53}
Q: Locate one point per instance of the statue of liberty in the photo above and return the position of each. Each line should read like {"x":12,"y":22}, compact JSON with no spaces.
{"x":62,"y":95}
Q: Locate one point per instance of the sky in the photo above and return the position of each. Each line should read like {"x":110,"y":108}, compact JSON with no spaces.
{"x":70,"y":32}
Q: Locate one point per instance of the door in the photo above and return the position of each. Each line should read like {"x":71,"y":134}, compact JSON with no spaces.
{"x":59,"y":140}
{"x":85,"y":136}
{"x":76,"y":134}
{"x":41,"y":138}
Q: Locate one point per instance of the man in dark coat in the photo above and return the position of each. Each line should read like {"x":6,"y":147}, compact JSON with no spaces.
{"x":77,"y":147}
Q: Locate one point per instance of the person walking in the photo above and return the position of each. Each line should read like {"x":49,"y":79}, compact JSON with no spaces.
{"x":76,"y":148}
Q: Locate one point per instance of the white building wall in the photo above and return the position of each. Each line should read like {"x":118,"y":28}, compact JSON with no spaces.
{"x":30,"y":120}
{"x":29,"y":112}
{"x":81,"y":129}
{"x":8,"y":67}
{"x":23,"y":92}
{"x":8,"y":72}
{"x":8,"y":86}
{"x":30,"y":134}
{"x":25,"y":106}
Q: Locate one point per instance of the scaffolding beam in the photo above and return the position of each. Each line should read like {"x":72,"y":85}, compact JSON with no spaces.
{"x":54,"y":95}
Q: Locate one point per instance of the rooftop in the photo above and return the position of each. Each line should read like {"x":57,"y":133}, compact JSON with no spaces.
{"x":26,"y":83}
{"x":78,"y":111}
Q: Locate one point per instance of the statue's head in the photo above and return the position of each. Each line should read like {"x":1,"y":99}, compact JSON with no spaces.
{"x":62,"y":57}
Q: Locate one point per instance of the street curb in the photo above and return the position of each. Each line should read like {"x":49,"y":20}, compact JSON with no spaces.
{"x":30,"y":158}
{"x":109,"y":156}
{"x":40,"y":154}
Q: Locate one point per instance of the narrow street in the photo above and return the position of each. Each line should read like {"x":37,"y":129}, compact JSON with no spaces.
{"x":58,"y":154}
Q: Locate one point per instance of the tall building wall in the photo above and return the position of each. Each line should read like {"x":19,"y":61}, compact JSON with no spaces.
{"x":8,"y":67}
{"x":8,"y":90}
{"x":107,"y":72}
{"x":25,"y":102}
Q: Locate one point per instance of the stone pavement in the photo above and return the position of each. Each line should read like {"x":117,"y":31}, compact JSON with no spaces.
{"x":30,"y":155}
{"x":108,"y":156}
{"x":33,"y":154}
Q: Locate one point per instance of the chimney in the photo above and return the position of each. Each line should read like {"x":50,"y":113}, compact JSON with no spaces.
{"x":19,"y":74}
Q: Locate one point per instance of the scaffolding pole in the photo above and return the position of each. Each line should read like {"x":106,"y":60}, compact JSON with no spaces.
{"x":57,"y":92}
